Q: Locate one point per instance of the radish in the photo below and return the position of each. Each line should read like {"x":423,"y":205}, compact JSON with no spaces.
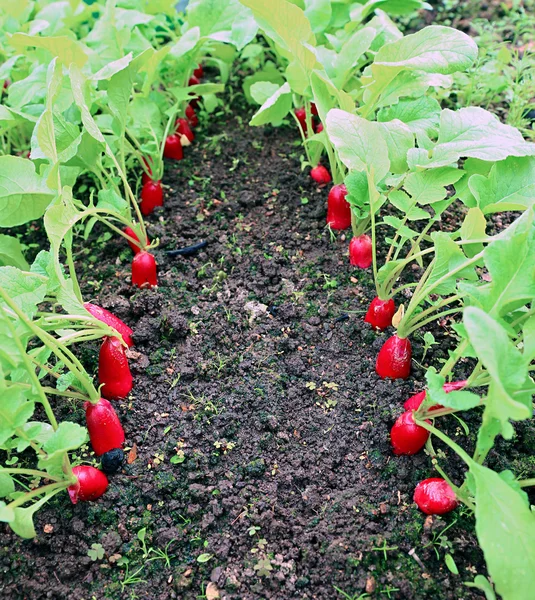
{"x":320,"y":175}
{"x":173,"y":148}
{"x":110,"y":319}
{"x":406,"y":437}
{"x":135,"y":247}
{"x":360,"y":251}
{"x":105,"y":430}
{"x":151,"y":196}
{"x":338,"y":209}
{"x":380,"y":313}
{"x":183,"y":128}
{"x":193,"y":80}
{"x":144,"y":270}
{"x":301,"y":115}
{"x":198,"y":72}
{"x":414,"y":402}
{"x":313,"y":109}
{"x":91,"y":484}
{"x":319,"y":128}
{"x":191,"y":116}
{"x":113,"y":371}
{"x":394,"y":359}
{"x":434,"y":496}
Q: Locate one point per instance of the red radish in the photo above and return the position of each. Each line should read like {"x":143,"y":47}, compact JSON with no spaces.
{"x":144,"y":270}
{"x":380,"y":313}
{"x":193,"y":80}
{"x":319,"y":128}
{"x":198,"y":72}
{"x":301,"y":115}
{"x":105,"y":429}
{"x":414,"y":402}
{"x":113,"y":370}
{"x":406,"y":437}
{"x":91,"y":484}
{"x":434,"y":496}
{"x":313,"y":109}
{"x":151,"y":196}
{"x":173,"y":148}
{"x":394,"y":359}
{"x":135,"y":247}
{"x":360,"y":251}
{"x":183,"y":128}
{"x":338,"y":209}
{"x":191,"y":116}
{"x":320,"y":175}
{"x":110,"y":319}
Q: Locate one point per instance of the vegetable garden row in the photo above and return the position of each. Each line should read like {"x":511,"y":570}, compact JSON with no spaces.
{"x":95,"y":97}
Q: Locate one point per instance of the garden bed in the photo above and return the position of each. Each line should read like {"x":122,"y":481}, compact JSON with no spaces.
{"x":251,"y":359}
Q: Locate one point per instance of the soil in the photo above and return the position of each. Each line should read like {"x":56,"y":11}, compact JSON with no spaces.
{"x":259,"y":431}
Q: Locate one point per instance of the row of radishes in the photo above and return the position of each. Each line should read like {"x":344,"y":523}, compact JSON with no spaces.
{"x":433,"y":495}
{"x":106,"y":433}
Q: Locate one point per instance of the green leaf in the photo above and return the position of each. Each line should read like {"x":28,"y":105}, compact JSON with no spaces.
{"x":510,"y":185}
{"x":421,"y":115}
{"x":263,"y":90}
{"x":399,"y":140}
{"x":356,"y":183}
{"x":405,"y":204}
{"x":79,"y":90}
{"x":269,"y":73}
{"x":67,"y":50}
{"x":509,"y":394}
{"x":427,"y":187}
{"x":43,"y":265}
{"x":505,"y":528}
{"x":529,"y":339}
{"x":483,"y":584}
{"x":448,"y":257}
{"x":358,"y":142}
{"x":433,"y":49}
{"x":27,"y":290}
{"x":350,"y":54}
{"x":68,"y":436}
{"x":109,"y":199}
{"x":22,"y":524}
{"x":473,"y":228}
{"x":11,"y":252}
{"x":274,"y":108}
{"x":287,"y":25}
{"x":474,"y":133}
{"x":15,"y":410}
{"x":222,"y":20}
{"x":24,"y":195}
{"x":7,"y":515}
{"x":202,"y":558}
{"x":459,"y":400}
{"x":319,"y":13}
{"x":450,"y":563}
{"x":7,"y":485}
{"x":511,"y":263}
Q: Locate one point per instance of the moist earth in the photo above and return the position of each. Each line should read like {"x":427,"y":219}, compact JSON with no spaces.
{"x":258,"y":450}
